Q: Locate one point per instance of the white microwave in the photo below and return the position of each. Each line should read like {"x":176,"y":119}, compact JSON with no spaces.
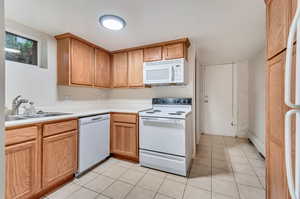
{"x":165,"y":72}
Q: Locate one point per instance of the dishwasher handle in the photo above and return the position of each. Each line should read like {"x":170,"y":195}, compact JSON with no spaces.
{"x":93,"y":119}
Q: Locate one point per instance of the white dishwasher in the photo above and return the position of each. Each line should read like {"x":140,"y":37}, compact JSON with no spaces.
{"x":93,"y":141}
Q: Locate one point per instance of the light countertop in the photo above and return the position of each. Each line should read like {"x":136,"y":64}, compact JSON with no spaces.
{"x":74,"y":114}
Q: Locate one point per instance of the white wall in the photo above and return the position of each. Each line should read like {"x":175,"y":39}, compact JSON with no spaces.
{"x":257,"y":73}
{"x":2,"y":99}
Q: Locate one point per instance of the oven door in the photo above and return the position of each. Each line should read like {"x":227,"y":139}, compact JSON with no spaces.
{"x":163,"y":135}
{"x":158,"y":74}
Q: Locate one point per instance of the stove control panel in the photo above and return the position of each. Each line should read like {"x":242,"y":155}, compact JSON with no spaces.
{"x":172,"y":101}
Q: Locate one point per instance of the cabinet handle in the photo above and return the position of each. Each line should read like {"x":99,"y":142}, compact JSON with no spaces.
{"x":288,"y":154}
{"x":288,"y":62}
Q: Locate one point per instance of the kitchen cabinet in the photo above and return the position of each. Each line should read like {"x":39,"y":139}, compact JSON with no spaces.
{"x":120,"y":70}
{"x":22,"y":155}
{"x":59,"y":157}
{"x":82,"y":59}
{"x":102,"y":69}
{"x":135,"y":68}
{"x":153,"y":54}
{"x":124,"y":136}
{"x":81,"y":63}
{"x":39,"y":158}
{"x":75,"y":62}
{"x":279,"y":15}
{"x":174,"y":51}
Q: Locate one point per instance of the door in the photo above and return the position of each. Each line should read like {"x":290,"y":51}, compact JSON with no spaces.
{"x":218,"y":100}
{"x":102,"y":69}
{"x":22,"y":175}
{"x":82,"y":63}
{"x":120,"y":69}
{"x":135,"y":68}
{"x":59,"y":157}
{"x":124,"y":139}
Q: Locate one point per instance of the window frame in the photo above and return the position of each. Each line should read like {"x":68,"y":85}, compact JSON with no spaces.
{"x":26,"y":36}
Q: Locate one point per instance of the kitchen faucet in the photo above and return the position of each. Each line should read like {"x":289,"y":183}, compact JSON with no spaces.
{"x":16,"y":104}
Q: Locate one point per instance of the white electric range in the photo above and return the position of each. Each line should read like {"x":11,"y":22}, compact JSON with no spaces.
{"x":166,"y":136}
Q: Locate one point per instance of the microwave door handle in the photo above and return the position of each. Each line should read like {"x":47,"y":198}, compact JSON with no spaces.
{"x":173,"y":74}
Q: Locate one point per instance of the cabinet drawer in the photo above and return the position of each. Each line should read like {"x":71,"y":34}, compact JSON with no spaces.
{"x":127,"y":118}
{"x":59,"y":127}
{"x":20,"y":135}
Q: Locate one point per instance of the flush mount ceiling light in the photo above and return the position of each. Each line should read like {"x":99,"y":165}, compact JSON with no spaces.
{"x":112,"y":22}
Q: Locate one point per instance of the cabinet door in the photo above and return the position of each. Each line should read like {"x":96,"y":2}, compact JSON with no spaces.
{"x":174,"y":51}
{"x":22,"y":174}
{"x":120,"y":69}
{"x":59,"y":157}
{"x":278,"y":20}
{"x":276,"y":176}
{"x":135,"y":68}
{"x":83,"y":60}
{"x":124,"y":139}
{"x":102,"y":69}
{"x":153,"y":54}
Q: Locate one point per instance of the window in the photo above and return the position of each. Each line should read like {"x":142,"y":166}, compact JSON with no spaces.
{"x":21,"y":49}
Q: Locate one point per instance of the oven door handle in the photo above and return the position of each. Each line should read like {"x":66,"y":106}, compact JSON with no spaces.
{"x":162,"y":120}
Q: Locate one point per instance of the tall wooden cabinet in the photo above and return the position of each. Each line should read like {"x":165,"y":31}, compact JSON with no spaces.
{"x":279,"y":17}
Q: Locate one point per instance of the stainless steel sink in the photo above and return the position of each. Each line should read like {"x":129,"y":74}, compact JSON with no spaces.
{"x":37,"y":115}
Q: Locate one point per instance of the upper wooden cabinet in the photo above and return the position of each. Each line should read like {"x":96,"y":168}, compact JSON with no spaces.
{"x":135,"y":68}
{"x":119,"y":70}
{"x":279,"y":16}
{"x":102,"y":69}
{"x":174,"y":51}
{"x":153,"y":54}
{"x":80,"y":62}
{"x":75,"y":62}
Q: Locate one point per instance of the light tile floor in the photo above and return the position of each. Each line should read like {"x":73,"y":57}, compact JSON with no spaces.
{"x":224,"y":168}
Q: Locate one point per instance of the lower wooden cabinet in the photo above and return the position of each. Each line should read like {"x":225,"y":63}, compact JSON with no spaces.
{"x":59,"y":157}
{"x":34,"y":164}
{"x":22,"y":175}
{"x":124,"y":136}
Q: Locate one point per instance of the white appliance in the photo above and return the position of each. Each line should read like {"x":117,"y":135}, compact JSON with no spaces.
{"x":166,"y":140}
{"x":294,"y":187}
{"x":166,"y":72}
{"x":93,"y":141}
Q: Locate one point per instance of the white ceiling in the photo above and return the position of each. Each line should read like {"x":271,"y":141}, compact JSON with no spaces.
{"x":222,"y":30}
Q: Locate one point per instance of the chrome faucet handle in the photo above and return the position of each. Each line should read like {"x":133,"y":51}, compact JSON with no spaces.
{"x":16,"y":99}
